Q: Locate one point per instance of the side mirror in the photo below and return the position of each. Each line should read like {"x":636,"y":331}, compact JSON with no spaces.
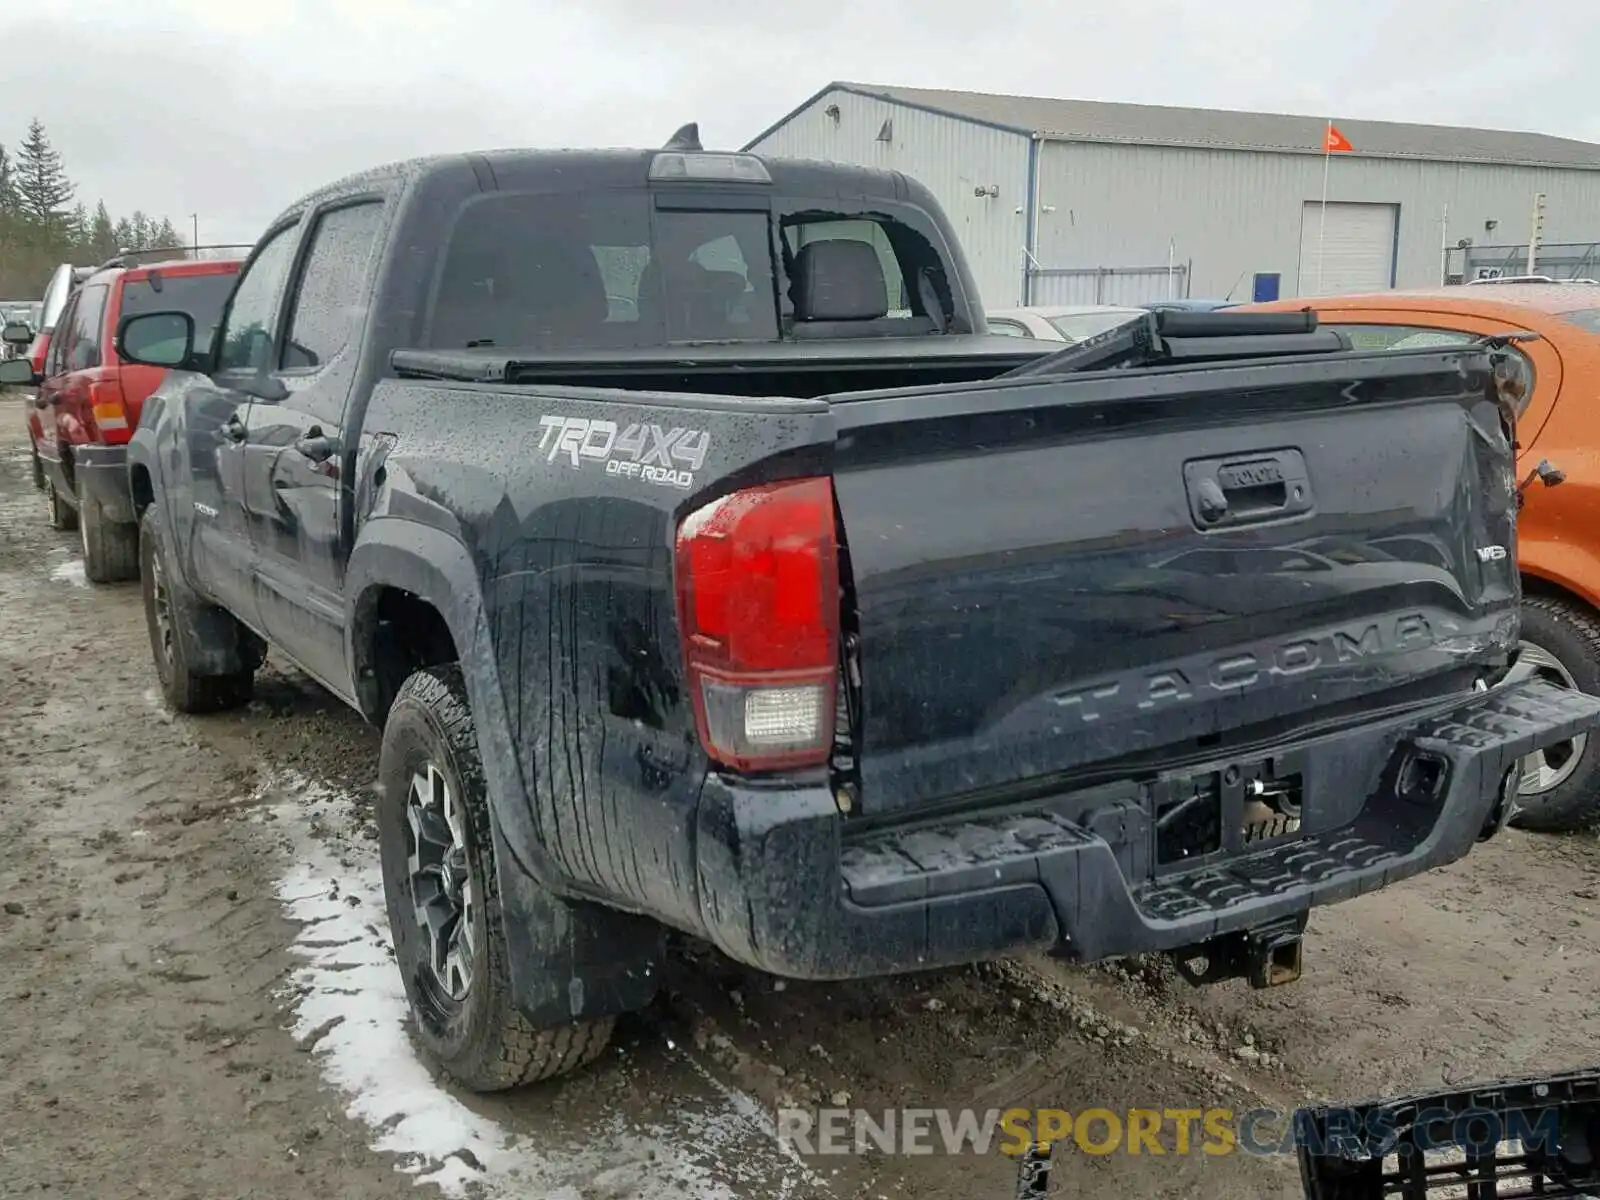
{"x":16,"y":333}
{"x":17,"y":372}
{"x":158,"y":339}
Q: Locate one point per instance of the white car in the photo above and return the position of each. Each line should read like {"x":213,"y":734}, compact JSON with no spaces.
{"x":1061,"y":322}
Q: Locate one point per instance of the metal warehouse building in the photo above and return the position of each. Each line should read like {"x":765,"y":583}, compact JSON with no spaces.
{"x":1072,"y":201}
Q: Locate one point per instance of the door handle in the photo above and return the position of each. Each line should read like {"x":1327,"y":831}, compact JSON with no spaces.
{"x":233,"y":429}
{"x":1249,"y":488}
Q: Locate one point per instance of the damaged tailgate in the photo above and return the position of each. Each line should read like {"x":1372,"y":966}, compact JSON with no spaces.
{"x":1055,"y":573}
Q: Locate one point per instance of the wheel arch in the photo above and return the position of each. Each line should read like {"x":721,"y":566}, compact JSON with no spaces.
{"x":569,"y":959}
{"x":1540,"y":581}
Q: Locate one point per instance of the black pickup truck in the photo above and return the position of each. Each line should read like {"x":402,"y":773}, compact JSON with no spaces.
{"x":707,"y":566}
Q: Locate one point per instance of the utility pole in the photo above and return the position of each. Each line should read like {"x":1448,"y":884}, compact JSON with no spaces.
{"x":1444,"y":248}
{"x":1536,"y":232}
{"x":195,"y":217}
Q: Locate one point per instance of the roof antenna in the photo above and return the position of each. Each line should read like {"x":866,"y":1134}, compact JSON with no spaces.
{"x":687,"y":138}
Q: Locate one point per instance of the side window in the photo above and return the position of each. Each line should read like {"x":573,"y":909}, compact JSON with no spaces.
{"x":83,"y":336}
{"x":327,"y":304}
{"x":1399,"y":337}
{"x":1419,"y":337}
{"x":253,"y":315}
{"x":55,"y":359}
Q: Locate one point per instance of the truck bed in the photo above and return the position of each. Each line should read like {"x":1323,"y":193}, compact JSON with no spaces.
{"x":1038,"y":584}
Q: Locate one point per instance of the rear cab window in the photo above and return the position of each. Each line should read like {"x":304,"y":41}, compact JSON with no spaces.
{"x":201,"y":296}
{"x":616,"y":270}
{"x":866,"y":274}
{"x":600,"y":271}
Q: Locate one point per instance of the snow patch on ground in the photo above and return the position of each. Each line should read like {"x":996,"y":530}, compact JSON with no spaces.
{"x":71,"y":571}
{"x":350,"y":1006}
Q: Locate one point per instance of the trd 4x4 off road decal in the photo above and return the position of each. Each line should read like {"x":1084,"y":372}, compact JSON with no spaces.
{"x":648,"y":452}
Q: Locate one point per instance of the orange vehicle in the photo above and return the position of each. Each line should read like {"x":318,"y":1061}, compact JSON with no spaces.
{"x":1558,"y":531}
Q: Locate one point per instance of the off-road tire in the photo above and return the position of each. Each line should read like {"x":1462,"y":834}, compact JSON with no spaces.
{"x":183,"y":689}
{"x":38,"y":467}
{"x":110,"y":548}
{"x":1570,"y":631}
{"x":61,"y":514}
{"x":486,"y":1044}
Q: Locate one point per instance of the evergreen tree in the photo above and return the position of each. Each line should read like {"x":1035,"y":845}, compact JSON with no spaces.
{"x":42,"y":227}
{"x":43,"y":189}
{"x":8,"y":181}
{"x":163,"y":233}
{"x":102,"y":235}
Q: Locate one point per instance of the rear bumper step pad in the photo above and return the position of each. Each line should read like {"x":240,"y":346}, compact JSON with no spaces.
{"x":786,"y":895}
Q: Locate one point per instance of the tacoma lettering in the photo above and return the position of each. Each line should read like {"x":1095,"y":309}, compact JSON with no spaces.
{"x":1241,"y":670}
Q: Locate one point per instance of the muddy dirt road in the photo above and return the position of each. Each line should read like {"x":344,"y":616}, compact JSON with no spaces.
{"x":199,"y":1002}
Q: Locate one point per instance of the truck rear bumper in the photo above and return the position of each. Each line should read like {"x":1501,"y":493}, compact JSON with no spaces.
{"x":782,"y":889}
{"x":103,"y":471}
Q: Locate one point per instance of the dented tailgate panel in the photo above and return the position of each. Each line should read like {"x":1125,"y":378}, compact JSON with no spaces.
{"x":1048,"y":587}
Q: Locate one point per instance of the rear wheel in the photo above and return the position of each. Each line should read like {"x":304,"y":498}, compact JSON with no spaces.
{"x":62,"y":515}
{"x":110,"y":549}
{"x":443,"y":893}
{"x":170,"y":611}
{"x":1560,"y":785}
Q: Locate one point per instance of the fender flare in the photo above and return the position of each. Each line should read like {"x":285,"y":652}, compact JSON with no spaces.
{"x":144,"y":450}
{"x":436,"y":567}
{"x":568,"y":958}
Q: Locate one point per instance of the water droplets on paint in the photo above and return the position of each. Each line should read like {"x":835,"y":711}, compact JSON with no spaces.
{"x":349,"y":1008}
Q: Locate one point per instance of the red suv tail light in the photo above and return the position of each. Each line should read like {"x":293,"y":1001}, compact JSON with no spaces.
{"x":110,"y":414}
{"x":758,"y":602}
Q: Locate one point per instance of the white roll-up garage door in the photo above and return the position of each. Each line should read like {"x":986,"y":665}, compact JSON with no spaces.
{"x":1356,"y":248}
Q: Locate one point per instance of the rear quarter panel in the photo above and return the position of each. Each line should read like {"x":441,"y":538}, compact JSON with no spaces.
{"x":573,"y":549}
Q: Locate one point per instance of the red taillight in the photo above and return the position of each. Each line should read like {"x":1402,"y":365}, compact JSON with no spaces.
{"x":110,"y":415}
{"x":36,"y":354}
{"x":758,"y":601}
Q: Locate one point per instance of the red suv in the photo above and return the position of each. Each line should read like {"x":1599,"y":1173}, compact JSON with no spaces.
{"x":88,"y":400}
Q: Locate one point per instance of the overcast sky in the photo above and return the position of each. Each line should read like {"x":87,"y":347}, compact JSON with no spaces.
{"x":232,"y":108}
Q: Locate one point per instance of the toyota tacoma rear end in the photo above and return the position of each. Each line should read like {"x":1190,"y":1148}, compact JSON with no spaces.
{"x":708,"y":566}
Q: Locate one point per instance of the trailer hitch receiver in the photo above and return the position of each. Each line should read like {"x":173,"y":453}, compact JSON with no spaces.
{"x":1268,"y":956}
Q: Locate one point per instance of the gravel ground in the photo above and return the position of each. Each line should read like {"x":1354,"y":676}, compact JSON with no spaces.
{"x":200,"y":1001}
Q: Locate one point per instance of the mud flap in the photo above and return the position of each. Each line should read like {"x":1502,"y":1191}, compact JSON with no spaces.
{"x":214,"y":641}
{"x":570,"y":959}
{"x":217,"y":644}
